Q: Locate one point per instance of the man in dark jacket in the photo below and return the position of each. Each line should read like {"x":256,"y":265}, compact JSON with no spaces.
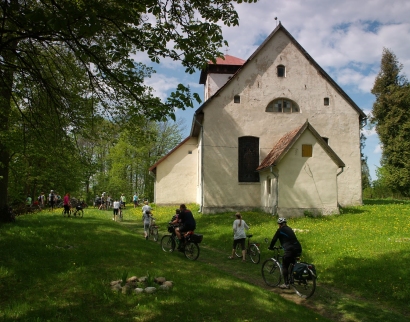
{"x":291,"y":246}
{"x":186,"y":221}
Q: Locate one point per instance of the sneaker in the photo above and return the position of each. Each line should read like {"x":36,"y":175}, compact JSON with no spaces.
{"x":284,"y":286}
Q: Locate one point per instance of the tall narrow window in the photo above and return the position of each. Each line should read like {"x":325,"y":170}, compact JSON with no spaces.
{"x":248,"y":159}
{"x":326,"y":101}
{"x":281,"y":70}
{"x":269,"y":185}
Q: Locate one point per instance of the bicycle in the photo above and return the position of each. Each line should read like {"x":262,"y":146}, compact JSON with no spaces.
{"x":78,"y":212}
{"x":191,"y":240}
{"x":252,"y":250}
{"x":304,"y":285}
{"x":153,"y":230}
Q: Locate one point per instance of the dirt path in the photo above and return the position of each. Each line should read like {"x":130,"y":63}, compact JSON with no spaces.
{"x":327,"y":301}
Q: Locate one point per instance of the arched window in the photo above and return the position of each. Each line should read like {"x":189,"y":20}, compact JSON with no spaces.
{"x":248,"y":159}
{"x":281,"y":71}
{"x":282,"y":105}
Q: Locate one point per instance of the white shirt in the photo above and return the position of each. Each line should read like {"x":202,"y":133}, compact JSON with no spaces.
{"x":239,"y":231}
{"x":116,"y":204}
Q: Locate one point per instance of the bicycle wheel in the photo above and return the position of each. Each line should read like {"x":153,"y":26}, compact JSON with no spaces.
{"x":168,"y":243}
{"x":191,"y":251}
{"x":238,"y":250}
{"x":154,"y":233}
{"x":271,"y":272}
{"x":254,"y":254}
{"x":79,"y":213}
{"x":305,"y":287}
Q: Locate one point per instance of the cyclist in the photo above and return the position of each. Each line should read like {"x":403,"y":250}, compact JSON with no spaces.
{"x":186,"y":221}
{"x":291,"y":246}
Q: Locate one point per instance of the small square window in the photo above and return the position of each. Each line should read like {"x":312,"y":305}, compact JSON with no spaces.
{"x":189,"y":152}
{"x":307,"y":150}
{"x":326,"y":101}
{"x":236,"y":99}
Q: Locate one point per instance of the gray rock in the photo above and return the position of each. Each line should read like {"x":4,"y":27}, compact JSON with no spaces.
{"x":159,"y":280}
{"x":132,"y":279}
{"x":116,"y":287}
{"x":112,"y":283}
{"x":138,"y":290}
{"x":168,"y":283}
{"x":150,"y":290}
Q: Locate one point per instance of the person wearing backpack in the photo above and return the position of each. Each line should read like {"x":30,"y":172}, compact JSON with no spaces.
{"x":291,"y":246}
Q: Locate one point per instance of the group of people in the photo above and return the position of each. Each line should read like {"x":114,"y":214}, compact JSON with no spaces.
{"x":52,"y":199}
{"x":183,"y":220}
{"x":107,"y":202}
{"x":285,"y":235}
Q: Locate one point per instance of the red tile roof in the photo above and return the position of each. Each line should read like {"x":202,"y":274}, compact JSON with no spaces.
{"x":279,"y":148}
{"x":286,"y":142}
{"x":228,"y":60}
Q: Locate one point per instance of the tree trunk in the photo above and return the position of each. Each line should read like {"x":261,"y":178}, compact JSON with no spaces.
{"x":6,"y":85}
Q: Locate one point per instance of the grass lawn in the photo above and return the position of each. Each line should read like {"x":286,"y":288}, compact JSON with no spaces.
{"x":59,"y":269}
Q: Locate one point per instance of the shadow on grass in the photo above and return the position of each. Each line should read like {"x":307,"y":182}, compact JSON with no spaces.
{"x":59,"y":269}
{"x":382,"y":279}
{"x":385,"y":202}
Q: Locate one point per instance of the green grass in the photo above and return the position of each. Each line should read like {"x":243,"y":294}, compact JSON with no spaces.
{"x":59,"y":269}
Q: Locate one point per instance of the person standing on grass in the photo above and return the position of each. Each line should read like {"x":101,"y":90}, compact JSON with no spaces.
{"x":146,"y":217}
{"x":52,"y":199}
{"x":123,"y":200}
{"x":28,"y":201}
{"x":291,"y":246}
{"x":66,"y":204}
{"x":135,"y":200}
{"x":116,"y":207}
{"x":146,"y":207}
{"x":42,"y":200}
{"x":239,"y":235}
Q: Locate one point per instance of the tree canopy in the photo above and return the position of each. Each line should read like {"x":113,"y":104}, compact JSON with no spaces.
{"x":66,"y":63}
{"x":391,"y":116}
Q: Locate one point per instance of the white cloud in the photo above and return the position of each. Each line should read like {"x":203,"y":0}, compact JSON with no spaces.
{"x":369,"y":132}
{"x":378,"y":149}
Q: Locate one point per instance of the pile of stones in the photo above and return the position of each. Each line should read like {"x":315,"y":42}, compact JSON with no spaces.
{"x":140,"y":285}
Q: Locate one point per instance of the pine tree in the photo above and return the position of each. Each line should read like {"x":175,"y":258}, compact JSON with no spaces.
{"x":391,"y":116}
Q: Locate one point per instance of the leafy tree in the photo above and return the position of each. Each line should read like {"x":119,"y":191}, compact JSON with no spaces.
{"x":366,"y":179}
{"x":56,"y":57}
{"x":391,"y":115}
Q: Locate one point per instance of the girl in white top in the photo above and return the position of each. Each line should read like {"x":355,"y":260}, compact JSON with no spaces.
{"x":116,"y":206}
{"x":239,"y":235}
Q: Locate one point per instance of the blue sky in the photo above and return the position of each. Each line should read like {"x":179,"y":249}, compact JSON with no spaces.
{"x":345,"y":38}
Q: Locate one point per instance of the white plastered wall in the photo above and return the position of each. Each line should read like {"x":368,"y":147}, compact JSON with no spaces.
{"x":257,"y":84}
{"x":308,"y":182}
{"x":176,"y":175}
